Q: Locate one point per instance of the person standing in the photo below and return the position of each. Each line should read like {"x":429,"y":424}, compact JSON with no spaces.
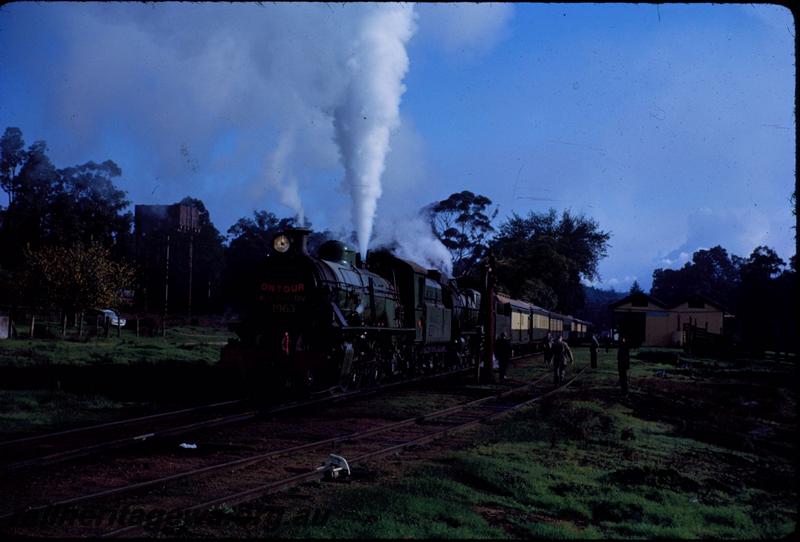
{"x":548,"y":349}
{"x":623,"y":364}
{"x":561,"y":353}
{"x":502,"y":349}
{"x":593,"y":346}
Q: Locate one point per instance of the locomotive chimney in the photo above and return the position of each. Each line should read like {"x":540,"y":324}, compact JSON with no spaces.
{"x":299,"y":239}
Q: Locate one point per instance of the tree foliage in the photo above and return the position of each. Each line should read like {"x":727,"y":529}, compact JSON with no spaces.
{"x":462,"y":223}
{"x":12,"y":155}
{"x":635,"y":288}
{"x":543,"y":257}
{"x":86,"y":205}
{"x":76,"y":277}
{"x":762,"y":300}
{"x":51,"y":206}
{"x":711,"y":272}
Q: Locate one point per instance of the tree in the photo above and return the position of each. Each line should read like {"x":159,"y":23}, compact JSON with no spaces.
{"x":75,"y":278}
{"x":635,"y":289}
{"x":57,"y":206}
{"x":760,"y":298}
{"x":87,"y":206}
{"x":462,"y":222}
{"x":543,"y":257}
{"x":12,"y":156}
{"x":31,"y":190}
{"x":711,"y":272}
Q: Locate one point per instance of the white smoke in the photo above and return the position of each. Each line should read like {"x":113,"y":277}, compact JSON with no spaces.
{"x":370,"y":110}
{"x":281,"y":179}
{"x":298,"y":90}
{"x":411,"y":238}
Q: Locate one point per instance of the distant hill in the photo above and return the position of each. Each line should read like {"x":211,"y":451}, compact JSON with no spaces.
{"x":596,"y":310}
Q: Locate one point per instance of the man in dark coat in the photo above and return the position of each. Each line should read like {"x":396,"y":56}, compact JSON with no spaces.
{"x":502,"y":349}
{"x":623,"y":364}
{"x":593,"y":346}
{"x":548,"y":349}
{"x":561,"y":353}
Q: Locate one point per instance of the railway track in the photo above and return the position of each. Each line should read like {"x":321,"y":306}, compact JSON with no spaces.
{"x":57,"y":447}
{"x":274,"y":465}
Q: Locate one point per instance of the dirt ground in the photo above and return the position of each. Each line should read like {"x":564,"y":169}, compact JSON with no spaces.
{"x":698,"y":449}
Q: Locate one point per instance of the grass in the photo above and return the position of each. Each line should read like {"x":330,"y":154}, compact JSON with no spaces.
{"x":181,"y":344}
{"x":580,"y":465}
{"x":33,"y":411}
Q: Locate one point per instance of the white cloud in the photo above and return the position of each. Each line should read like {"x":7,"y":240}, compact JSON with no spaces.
{"x":675,"y":262}
{"x":456,"y":26}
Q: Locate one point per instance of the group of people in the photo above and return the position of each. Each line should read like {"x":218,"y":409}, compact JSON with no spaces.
{"x":560,"y":355}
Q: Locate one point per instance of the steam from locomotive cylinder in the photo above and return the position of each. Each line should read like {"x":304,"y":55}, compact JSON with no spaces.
{"x":370,"y":108}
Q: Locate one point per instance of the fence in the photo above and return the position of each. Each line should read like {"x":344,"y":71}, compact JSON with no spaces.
{"x":704,"y":343}
{"x":27,"y":323}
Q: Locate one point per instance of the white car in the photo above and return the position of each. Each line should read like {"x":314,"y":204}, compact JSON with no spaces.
{"x":112,"y":318}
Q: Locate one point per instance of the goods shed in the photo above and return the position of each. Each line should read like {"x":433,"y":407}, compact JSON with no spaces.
{"x":643,"y":320}
{"x":646,"y":321}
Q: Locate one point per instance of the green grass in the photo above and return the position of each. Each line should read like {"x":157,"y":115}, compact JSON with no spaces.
{"x":181,"y":344}
{"x":34,"y":411}
{"x":568,"y":468}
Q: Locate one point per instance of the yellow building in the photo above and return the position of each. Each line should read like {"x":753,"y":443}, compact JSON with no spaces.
{"x":646,"y":321}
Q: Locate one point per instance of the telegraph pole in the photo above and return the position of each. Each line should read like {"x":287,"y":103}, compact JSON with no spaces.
{"x":191,"y":250}
{"x":487,"y":376}
{"x":166,"y":292}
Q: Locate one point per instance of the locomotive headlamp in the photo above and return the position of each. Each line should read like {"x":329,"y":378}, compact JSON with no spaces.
{"x":281,"y":243}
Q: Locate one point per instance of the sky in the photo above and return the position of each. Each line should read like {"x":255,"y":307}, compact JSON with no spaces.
{"x":671,"y":125}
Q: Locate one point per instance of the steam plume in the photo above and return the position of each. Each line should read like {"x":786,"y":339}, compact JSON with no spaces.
{"x":279,"y":177}
{"x":370,"y":109}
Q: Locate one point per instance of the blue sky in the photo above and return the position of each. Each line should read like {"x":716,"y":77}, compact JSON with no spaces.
{"x":671,"y":125}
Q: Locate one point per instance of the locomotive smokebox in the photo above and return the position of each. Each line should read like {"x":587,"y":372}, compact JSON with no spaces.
{"x":292,"y":241}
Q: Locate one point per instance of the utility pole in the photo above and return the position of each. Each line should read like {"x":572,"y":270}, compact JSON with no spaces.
{"x":487,"y":376}
{"x":166,"y":293}
{"x":191,"y":250}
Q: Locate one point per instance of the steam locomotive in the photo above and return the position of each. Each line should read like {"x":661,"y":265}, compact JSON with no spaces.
{"x":332,"y":321}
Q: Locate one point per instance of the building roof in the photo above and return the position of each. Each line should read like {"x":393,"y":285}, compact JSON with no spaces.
{"x":639,"y":297}
{"x":702,"y":297}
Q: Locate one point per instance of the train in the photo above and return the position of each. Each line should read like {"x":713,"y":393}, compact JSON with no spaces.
{"x":333,"y":321}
